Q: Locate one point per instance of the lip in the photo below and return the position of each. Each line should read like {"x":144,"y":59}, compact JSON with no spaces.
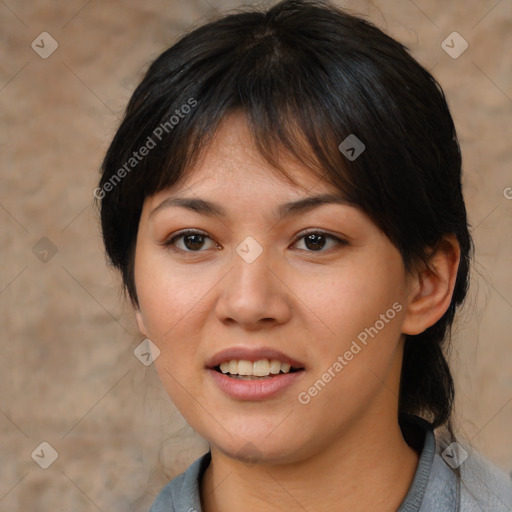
{"x":258,"y":389}
{"x":261,"y":389}
{"x":251,"y":354}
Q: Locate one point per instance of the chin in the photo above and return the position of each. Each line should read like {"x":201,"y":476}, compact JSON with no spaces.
{"x":259,"y":447}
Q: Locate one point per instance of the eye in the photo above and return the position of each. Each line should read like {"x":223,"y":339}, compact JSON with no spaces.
{"x":315,"y":241}
{"x":192,"y":240}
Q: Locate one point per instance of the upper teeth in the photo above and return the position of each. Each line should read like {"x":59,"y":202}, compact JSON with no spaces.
{"x":260,"y":368}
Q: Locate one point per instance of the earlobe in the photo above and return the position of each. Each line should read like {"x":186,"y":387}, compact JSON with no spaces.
{"x":432,"y":287}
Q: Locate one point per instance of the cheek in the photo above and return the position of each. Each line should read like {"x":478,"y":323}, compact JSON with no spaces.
{"x":169,"y":304}
{"x":358,"y":355}
{"x":172,"y":307}
{"x":167,"y":294}
{"x":352,"y":299}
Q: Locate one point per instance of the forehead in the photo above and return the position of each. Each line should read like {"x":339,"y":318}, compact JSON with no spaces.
{"x":232,"y":159}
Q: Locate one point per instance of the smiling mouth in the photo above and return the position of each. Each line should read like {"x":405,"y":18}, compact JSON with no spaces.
{"x":257,"y":370}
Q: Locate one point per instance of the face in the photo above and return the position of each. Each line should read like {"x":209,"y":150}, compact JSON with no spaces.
{"x":230,"y":279}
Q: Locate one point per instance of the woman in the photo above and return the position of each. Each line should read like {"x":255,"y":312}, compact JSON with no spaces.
{"x":283,"y":200}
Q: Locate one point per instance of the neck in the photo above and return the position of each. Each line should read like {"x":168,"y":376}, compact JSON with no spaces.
{"x":366,"y":469}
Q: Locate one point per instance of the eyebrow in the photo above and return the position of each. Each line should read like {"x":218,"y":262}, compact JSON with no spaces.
{"x":211,"y":209}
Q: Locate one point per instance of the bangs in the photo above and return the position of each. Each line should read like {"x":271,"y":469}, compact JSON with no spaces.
{"x":283,"y":102}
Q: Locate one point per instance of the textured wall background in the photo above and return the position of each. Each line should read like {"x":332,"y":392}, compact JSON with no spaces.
{"x":68,"y":375}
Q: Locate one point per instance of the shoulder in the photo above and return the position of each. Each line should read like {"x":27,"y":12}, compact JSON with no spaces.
{"x":454,"y":477}
{"x":483,"y":485}
{"x":473,"y":482}
{"x":181,"y":494}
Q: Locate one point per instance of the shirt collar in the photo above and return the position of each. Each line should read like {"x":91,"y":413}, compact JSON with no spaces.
{"x":434,"y":487}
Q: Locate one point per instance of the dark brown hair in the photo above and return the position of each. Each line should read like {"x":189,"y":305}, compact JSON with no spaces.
{"x":307,"y":75}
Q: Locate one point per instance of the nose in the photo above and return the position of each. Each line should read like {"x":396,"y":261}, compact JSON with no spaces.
{"x":254,"y":294}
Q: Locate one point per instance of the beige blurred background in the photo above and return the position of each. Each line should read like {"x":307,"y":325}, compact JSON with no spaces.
{"x":68,"y":375}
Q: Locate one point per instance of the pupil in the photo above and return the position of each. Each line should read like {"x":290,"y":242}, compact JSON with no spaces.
{"x":313,"y":237}
{"x":196,"y":243}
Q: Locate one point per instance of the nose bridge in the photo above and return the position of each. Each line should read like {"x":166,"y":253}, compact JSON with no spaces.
{"x":252,"y":292}
{"x":251,"y":275}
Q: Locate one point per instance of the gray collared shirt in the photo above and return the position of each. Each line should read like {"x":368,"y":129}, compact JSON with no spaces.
{"x":435,"y":487}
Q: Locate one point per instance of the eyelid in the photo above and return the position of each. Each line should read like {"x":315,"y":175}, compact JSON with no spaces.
{"x":186,"y":231}
{"x":320,"y":231}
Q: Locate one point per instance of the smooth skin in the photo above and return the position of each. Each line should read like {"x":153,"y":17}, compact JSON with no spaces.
{"x":344,"y":450}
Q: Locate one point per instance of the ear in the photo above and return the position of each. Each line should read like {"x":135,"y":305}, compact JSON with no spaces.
{"x":431,"y":288}
{"x":140,"y":322}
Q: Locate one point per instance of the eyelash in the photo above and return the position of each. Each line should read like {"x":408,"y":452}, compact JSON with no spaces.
{"x":171,"y":240}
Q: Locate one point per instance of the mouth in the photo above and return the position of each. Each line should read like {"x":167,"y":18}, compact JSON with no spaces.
{"x":261,"y":369}
{"x":249,"y":374}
